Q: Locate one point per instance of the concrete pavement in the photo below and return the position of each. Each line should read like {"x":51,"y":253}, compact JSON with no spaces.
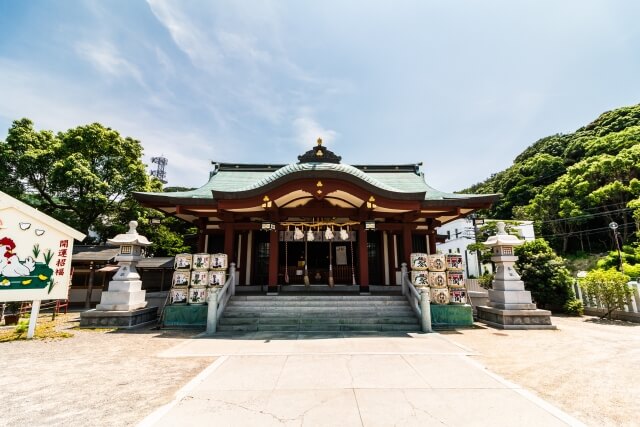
{"x":264,"y":379}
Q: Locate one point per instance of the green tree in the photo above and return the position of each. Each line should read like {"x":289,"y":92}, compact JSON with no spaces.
{"x":84,"y":176}
{"x":167,"y":237}
{"x":609,"y":288}
{"x":544,"y":274}
{"x":573,"y":185}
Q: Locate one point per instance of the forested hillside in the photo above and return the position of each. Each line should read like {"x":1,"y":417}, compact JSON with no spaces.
{"x":574,"y":185}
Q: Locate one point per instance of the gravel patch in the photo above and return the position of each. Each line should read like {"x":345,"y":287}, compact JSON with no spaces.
{"x":97,"y":377}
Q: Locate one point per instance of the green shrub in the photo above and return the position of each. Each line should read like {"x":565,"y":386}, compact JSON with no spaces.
{"x":485,"y":280}
{"x":544,"y":274}
{"x":574,"y":307}
{"x":22,"y":326}
{"x":609,"y":288}
{"x":632,"y":270}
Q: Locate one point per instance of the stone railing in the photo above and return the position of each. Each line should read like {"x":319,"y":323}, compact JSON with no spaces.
{"x":418,"y":300}
{"x":218,"y":299}
{"x":594,"y":307}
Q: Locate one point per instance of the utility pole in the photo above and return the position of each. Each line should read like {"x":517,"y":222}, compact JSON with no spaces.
{"x":614,"y":227}
{"x":477,"y":221}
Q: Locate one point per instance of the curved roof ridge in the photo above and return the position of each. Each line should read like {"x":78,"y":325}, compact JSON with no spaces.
{"x":303,"y":167}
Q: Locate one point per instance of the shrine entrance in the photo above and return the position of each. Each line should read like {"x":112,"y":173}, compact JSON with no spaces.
{"x":317,"y":221}
{"x":323,"y":260}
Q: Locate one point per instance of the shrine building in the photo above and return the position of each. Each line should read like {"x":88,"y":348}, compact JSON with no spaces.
{"x":317,"y":221}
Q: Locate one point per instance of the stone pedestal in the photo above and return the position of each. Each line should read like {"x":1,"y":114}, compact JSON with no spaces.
{"x":515,"y":319}
{"x":510,"y":306}
{"x":123,"y":296}
{"x":118,"y":319}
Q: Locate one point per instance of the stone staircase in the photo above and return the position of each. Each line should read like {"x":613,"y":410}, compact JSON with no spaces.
{"x":321,"y":313}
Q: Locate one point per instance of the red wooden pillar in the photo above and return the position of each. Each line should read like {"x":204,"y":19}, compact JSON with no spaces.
{"x":393,"y":252}
{"x":228,"y":242}
{"x":273,"y":261}
{"x":202,"y":234}
{"x":407,"y":244}
{"x":241,"y":263}
{"x":363,"y":260}
{"x":432,"y":241}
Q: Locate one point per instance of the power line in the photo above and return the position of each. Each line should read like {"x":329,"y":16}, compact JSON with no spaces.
{"x":588,"y":232}
{"x":584,"y":216}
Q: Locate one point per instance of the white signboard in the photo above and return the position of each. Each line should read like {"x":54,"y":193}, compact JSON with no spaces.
{"x":35,"y":253}
{"x":341,"y":255}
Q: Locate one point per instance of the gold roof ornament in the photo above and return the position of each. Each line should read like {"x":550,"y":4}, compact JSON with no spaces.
{"x":319,"y":154}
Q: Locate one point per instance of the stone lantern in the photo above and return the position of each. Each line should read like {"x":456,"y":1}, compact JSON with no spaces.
{"x":123,"y":305}
{"x":510,"y":305}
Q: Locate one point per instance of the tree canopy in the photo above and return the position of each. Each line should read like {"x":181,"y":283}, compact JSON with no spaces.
{"x":574,"y":185}
{"x":83,"y":176}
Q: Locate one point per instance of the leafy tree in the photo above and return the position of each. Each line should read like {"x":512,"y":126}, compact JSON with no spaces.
{"x":544,"y":274}
{"x":630,"y":261}
{"x":575,"y":184}
{"x":609,"y":288}
{"x":168,"y":237}
{"x":84,"y":176}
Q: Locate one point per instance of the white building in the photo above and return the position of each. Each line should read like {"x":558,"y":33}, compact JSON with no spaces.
{"x":460,"y":234}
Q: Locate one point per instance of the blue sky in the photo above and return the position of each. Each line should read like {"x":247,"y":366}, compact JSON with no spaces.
{"x":463,"y":86}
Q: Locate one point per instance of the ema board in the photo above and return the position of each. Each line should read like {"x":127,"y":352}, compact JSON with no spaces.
{"x":35,"y":253}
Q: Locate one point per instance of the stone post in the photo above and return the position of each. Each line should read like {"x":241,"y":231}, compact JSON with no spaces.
{"x":212,"y":311}
{"x":232,"y":274}
{"x":403,"y":269}
{"x":425,"y":310}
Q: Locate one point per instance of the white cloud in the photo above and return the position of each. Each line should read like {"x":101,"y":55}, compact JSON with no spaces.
{"x":196,"y":44}
{"x":59,"y":105}
{"x":107,"y":59}
{"x":307,"y":131}
{"x":243,"y":46}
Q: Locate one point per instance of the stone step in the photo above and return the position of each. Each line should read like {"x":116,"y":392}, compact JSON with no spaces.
{"x":318,"y":321}
{"x":319,"y":328}
{"x":318,"y":297}
{"x":324,"y":314}
{"x":319,"y":314}
{"x":316,"y":303}
{"x":318,"y":309}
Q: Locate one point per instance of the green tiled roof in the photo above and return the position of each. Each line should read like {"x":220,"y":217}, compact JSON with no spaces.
{"x":232,"y":178}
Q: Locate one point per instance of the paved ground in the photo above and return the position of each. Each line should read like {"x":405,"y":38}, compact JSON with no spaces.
{"x":589,"y":369}
{"x":300,"y":379}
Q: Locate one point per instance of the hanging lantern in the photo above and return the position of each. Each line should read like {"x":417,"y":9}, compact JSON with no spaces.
{"x":328,"y":234}
{"x":344,"y":234}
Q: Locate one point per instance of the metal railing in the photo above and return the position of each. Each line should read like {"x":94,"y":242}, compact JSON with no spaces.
{"x":418,"y":300}
{"x":218,"y":299}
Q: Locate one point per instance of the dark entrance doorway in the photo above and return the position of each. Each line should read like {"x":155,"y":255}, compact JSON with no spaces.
{"x":343,"y":257}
